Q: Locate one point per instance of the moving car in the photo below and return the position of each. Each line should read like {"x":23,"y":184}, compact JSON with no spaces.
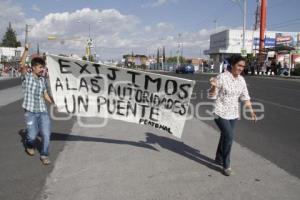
{"x":185,"y":69}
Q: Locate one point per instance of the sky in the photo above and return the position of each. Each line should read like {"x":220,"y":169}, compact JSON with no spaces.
{"x":120,"y":27}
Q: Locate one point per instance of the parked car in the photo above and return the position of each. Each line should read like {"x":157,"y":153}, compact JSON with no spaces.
{"x":185,"y":69}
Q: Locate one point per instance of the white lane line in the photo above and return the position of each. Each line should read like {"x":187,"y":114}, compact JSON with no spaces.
{"x":10,"y":95}
{"x":202,"y":81}
{"x":277,"y":104}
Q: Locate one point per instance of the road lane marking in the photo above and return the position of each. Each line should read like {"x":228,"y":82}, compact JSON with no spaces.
{"x":277,"y":104}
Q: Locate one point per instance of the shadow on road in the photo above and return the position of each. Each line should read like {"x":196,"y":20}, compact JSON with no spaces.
{"x":67,"y":137}
{"x":164,"y":142}
{"x":183,"y":150}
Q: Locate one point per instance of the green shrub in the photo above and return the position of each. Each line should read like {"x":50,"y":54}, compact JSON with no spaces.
{"x":296,"y":71}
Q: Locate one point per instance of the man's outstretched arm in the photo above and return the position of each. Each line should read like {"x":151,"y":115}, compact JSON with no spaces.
{"x":23,"y":68}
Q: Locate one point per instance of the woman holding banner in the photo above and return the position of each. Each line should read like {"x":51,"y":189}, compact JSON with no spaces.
{"x":227,"y":88}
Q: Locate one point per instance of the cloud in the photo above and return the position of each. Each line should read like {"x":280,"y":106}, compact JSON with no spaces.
{"x":157,"y":3}
{"x":10,"y":13}
{"x":35,"y":8}
{"x":13,"y":12}
{"x":113,"y":33}
{"x":105,"y":22}
{"x":161,"y":26}
{"x":147,"y":28}
{"x":109,"y":29}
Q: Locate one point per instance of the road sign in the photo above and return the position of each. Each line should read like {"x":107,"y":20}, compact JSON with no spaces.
{"x":243,"y":52}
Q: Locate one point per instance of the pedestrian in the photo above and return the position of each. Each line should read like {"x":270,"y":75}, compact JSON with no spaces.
{"x":252,"y":67}
{"x":279,"y":68}
{"x":36,"y":116}
{"x":268,"y":66}
{"x":273,"y":67}
{"x":227,"y":88}
{"x":285,"y":70}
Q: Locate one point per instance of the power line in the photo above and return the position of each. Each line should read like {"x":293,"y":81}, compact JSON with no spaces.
{"x":286,"y":25}
{"x":279,"y":3}
{"x":284,"y":22}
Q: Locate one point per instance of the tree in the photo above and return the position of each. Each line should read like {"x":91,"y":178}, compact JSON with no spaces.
{"x":91,"y":58}
{"x":173,"y":59}
{"x":164,"y":55}
{"x":157,"y":59}
{"x":10,"y":38}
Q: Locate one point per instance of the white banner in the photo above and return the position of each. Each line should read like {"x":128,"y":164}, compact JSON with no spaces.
{"x":88,"y":89}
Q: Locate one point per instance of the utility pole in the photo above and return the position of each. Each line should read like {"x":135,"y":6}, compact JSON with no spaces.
{"x":182,"y":49}
{"x":244,"y":53}
{"x":257,"y":16}
{"x":89,"y":45}
{"x":178,"y":50}
{"x":244,"y":10}
{"x":157,"y":60}
{"x":38,"y":48}
{"x":26,"y":33}
{"x":263,"y":15}
{"x":163,"y":58}
{"x":216,"y":25}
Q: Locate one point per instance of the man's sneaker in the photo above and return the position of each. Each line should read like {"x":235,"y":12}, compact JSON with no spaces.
{"x":45,"y":160}
{"x":30,"y":151}
{"x":227,"y":172}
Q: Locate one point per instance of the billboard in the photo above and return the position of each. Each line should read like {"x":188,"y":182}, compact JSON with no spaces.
{"x":288,"y":39}
{"x":269,"y":42}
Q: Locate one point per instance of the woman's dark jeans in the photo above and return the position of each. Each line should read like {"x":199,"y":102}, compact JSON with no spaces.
{"x":226,"y":139}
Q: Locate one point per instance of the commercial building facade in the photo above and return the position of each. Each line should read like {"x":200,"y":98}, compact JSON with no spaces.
{"x":228,"y":42}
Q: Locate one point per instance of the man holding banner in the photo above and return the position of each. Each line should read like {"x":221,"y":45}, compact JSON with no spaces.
{"x":36,"y":116}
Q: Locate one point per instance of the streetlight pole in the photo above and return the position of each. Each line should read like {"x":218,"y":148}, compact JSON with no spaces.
{"x":244,"y":10}
{"x":26,"y":32}
{"x":89,"y":40}
{"x":89,"y":30}
{"x":178,"y":50}
{"x":244,"y":26}
{"x":263,"y":17}
{"x":216,"y":25}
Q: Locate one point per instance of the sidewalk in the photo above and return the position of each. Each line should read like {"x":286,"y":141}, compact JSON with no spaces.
{"x":277,"y":76}
{"x":10,"y":95}
{"x":7,"y":78}
{"x":128,"y":161}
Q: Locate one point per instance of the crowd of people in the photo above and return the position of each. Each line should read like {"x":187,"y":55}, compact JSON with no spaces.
{"x":269,"y":67}
{"x":9,"y":71}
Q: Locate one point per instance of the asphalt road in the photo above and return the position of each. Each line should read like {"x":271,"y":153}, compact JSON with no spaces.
{"x":276,"y":137}
{"x":22,"y":176}
{"x":9,"y":83}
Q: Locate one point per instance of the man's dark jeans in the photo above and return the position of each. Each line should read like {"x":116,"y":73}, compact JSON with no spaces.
{"x":226,"y":139}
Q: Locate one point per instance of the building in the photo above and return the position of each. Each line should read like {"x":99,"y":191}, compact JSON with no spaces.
{"x":9,"y":54}
{"x":228,"y":42}
{"x":9,"y":59}
{"x":135,"y":61}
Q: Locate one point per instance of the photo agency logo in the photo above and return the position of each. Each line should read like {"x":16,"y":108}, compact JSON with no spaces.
{"x":201,"y":107}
